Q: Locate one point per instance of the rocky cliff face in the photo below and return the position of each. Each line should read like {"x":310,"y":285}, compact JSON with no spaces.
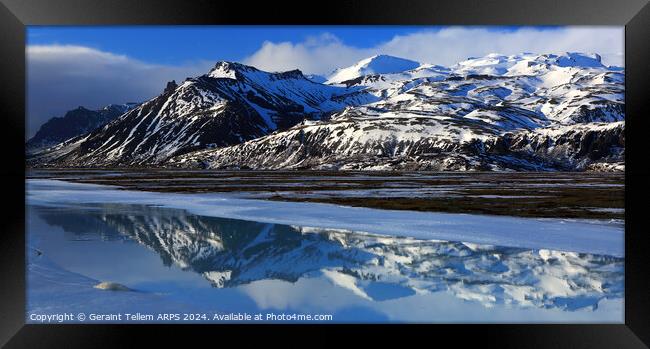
{"x":353,"y":145}
{"x":591,"y":146}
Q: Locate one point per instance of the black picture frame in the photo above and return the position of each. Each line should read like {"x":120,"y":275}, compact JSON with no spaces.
{"x":16,"y":14}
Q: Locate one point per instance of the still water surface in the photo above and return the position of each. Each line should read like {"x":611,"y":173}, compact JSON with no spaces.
{"x":175,"y":261}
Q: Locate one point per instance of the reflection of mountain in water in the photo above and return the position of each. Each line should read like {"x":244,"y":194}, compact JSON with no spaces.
{"x":232,"y":252}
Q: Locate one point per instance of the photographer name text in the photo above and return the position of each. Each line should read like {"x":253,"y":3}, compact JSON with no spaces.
{"x":174,"y":317}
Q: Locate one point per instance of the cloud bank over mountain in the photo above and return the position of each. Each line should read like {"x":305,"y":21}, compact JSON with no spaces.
{"x":321,"y":55}
{"x":62,"y":77}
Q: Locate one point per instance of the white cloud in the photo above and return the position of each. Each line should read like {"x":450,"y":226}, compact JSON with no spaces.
{"x":315,"y":55}
{"x":62,"y":77}
{"x":447,"y":46}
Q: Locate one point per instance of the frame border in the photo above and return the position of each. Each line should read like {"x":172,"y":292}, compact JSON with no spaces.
{"x":16,"y":14}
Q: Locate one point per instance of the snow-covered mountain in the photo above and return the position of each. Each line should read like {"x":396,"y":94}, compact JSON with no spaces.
{"x":232,"y":103}
{"x":74,"y":123}
{"x":521,"y":112}
{"x":379,"y":64}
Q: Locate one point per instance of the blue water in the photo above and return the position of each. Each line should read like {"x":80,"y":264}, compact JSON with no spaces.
{"x":176,"y":262}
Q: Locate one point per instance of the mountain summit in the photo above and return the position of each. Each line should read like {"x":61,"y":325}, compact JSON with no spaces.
{"x":379,"y":64}
{"x":528,"y":63}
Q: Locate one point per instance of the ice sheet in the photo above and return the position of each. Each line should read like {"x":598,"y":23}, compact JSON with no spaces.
{"x":588,"y":236}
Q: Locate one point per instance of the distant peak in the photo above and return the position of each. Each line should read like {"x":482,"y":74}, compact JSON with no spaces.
{"x":121,"y":107}
{"x":377,"y":64}
{"x":381,"y":56}
{"x":386,"y":58}
{"x":526,"y":63}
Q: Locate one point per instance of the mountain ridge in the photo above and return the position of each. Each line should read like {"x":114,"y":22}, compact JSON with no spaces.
{"x":377,"y":64}
{"x":495,"y":112}
{"x":230,"y":104}
{"x":73,"y":123}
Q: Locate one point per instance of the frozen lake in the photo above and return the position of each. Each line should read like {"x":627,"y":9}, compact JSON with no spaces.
{"x":215,"y":254}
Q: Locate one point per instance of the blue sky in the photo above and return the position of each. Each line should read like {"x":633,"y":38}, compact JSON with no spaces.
{"x":179,"y":44}
{"x":99,"y":65}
